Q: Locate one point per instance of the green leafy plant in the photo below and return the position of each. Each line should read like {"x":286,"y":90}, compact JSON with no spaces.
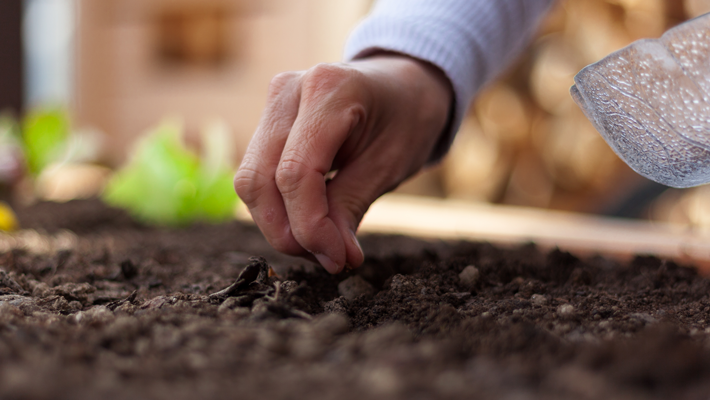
{"x":45,"y":136}
{"x":166,"y":183}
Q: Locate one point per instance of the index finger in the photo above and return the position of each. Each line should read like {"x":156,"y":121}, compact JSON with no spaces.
{"x":255,"y":180}
{"x":329,"y":112}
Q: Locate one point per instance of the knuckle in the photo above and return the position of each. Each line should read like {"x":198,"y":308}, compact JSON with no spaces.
{"x":289,"y":174}
{"x":282,"y":80}
{"x":323,"y":71}
{"x":248,"y":183}
{"x":324,"y":78}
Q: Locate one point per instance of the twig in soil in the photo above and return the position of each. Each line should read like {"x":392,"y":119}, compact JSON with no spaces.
{"x":115,"y":304}
{"x":256,"y":272}
{"x":256,"y":283}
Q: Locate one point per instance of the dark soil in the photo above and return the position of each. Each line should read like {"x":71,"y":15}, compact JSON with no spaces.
{"x":94,"y":305}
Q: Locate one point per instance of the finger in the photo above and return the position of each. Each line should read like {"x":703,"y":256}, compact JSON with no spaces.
{"x":255,"y":180}
{"x":356,"y":186}
{"x":370,"y":174}
{"x":328,"y":114}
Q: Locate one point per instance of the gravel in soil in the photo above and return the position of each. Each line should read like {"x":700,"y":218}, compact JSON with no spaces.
{"x":95,"y":305}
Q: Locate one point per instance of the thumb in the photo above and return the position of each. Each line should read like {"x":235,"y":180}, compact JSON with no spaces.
{"x":350,"y":194}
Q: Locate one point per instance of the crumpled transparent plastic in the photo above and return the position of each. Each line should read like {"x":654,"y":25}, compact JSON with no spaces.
{"x":651,"y":103}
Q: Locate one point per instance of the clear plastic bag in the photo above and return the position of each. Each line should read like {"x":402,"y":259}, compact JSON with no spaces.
{"x":651,"y":103}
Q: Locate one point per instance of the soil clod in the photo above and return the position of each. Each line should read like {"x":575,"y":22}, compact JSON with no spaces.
{"x":354,"y":287}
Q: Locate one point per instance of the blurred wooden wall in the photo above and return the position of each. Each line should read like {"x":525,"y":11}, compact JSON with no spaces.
{"x":11,"y":75}
{"x":139,"y":61}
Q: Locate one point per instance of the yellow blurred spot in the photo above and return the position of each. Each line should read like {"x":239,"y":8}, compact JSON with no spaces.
{"x":8,"y":220}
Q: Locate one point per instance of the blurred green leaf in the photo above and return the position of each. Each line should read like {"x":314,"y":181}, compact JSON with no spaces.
{"x":165,"y":183}
{"x":9,"y":129}
{"x":12,"y":163}
{"x":45,"y":133}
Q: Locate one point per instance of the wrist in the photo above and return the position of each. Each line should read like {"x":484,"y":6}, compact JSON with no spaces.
{"x":437,"y":90}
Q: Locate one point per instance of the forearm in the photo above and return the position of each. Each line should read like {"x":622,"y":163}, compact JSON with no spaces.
{"x":471,"y":41}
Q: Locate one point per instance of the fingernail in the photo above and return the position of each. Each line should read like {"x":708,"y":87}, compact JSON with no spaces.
{"x":353,"y":237}
{"x":327,"y":263}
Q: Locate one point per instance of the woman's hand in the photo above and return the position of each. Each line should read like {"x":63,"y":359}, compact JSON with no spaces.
{"x":374,"y":121}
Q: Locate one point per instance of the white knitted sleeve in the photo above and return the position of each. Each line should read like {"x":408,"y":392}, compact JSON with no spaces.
{"x":470,"y":40}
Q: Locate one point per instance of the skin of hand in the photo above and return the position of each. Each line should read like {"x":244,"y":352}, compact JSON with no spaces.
{"x":374,"y":121}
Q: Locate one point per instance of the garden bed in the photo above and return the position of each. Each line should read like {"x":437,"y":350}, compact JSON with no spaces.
{"x":94,"y":305}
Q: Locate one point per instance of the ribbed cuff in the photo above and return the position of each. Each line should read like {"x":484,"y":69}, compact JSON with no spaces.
{"x":386,"y":33}
{"x":469,"y":40}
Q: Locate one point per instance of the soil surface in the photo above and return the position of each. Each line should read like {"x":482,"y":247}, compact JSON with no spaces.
{"x":94,"y":305}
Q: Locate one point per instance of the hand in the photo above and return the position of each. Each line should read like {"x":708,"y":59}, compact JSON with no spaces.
{"x":374,"y":122}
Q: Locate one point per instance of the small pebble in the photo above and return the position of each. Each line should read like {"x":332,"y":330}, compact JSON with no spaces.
{"x":97,"y":315}
{"x":337,"y":305}
{"x":469,"y":277}
{"x":565,"y":310}
{"x":332,"y":324}
{"x":354,"y":287}
{"x":538,"y":299}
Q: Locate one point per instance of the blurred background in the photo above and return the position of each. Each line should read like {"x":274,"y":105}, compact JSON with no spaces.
{"x":111,"y":70}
